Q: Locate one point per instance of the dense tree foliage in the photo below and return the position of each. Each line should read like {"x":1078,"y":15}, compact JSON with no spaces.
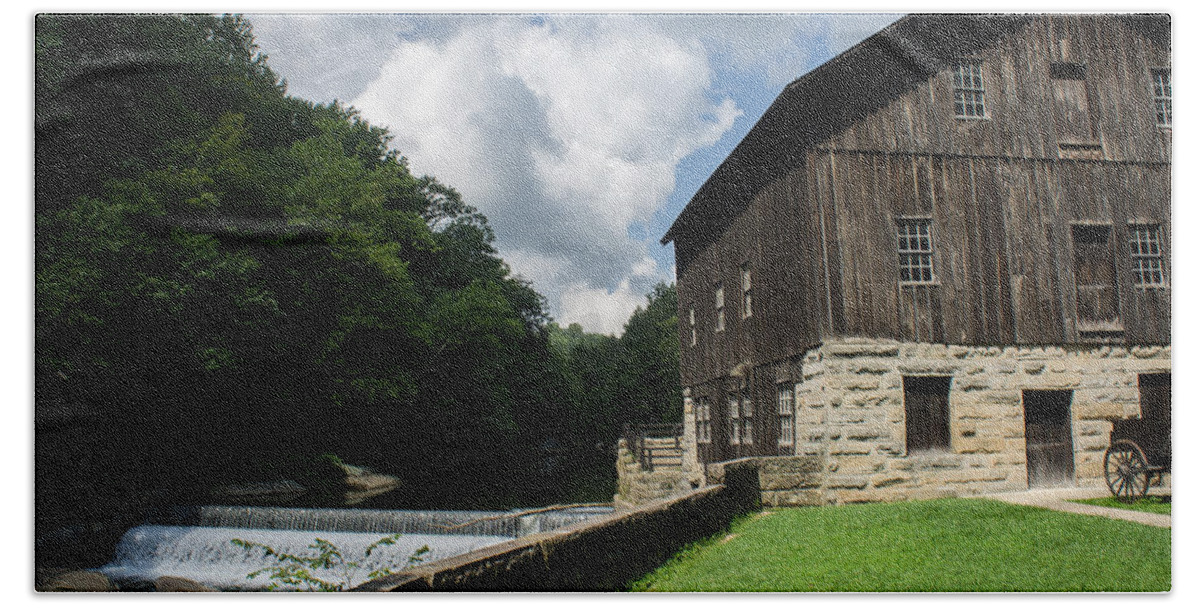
{"x":614,"y":381}
{"x":229,"y":279}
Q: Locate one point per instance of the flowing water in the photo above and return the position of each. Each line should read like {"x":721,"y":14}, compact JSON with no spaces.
{"x":195,"y":542}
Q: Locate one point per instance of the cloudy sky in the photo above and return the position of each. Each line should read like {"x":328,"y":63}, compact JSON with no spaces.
{"x":581,"y":137}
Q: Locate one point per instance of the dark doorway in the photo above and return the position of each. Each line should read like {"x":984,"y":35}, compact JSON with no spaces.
{"x":1049,"y":452}
{"x":926,"y":413}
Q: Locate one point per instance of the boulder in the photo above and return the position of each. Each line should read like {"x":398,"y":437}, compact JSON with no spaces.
{"x":79,"y":581}
{"x":170,"y":584}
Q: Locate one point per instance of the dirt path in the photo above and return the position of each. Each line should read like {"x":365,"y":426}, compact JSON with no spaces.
{"x":1058,"y":499}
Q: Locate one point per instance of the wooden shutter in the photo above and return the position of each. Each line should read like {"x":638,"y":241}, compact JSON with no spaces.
{"x":1095,"y":279}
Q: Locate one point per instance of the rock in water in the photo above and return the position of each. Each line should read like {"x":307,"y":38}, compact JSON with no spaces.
{"x":177,"y":583}
{"x":79,"y":580}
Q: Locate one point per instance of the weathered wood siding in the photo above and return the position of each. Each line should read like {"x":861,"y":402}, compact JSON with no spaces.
{"x":1002,"y":195}
{"x":1020,"y":98}
{"x":786,"y":252}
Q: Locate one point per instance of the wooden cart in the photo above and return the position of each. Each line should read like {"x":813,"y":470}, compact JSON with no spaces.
{"x":1139,"y":450}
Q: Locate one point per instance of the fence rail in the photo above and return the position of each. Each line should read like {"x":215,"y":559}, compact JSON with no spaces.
{"x":656,"y":445}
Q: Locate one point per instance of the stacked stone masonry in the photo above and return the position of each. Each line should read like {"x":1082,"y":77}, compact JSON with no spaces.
{"x":636,"y":487}
{"x":850,"y":417}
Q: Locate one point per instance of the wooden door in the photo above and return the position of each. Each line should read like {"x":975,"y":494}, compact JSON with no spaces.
{"x":1049,"y":451}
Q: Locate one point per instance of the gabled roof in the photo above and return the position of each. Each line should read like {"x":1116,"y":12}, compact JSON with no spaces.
{"x":844,"y":90}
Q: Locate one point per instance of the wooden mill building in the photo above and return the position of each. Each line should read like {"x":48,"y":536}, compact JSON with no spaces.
{"x":939,"y":264}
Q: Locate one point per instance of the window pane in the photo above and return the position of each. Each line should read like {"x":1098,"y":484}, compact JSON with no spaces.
{"x":915,"y":252}
{"x":1162,"y":97}
{"x":1146,"y":251}
{"x":968,"y":89}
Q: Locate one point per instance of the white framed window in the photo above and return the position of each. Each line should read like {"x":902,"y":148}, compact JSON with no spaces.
{"x":692,"y":323}
{"x":1162,"y":96}
{"x":746,"y":289}
{"x":968,"y":89}
{"x":703,"y":421}
{"x":720,"y":303}
{"x":735,"y":426}
{"x":785,"y":401}
{"x":915,"y":248}
{"x":1145,"y":248}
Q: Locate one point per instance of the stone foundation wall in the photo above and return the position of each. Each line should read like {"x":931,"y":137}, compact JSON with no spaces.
{"x":602,"y":554}
{"x":850,"y":413}
{"x":636,"y":487}
{"x":783,"y":481}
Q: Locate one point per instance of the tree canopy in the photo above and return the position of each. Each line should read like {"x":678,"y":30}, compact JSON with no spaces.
{"x":230,"y":278}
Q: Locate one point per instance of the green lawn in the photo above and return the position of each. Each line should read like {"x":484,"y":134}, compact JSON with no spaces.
{"x":939,"y":545}
{"x":1149,"y":504}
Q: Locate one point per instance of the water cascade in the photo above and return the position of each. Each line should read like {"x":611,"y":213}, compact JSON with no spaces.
{"x":195,"y":542}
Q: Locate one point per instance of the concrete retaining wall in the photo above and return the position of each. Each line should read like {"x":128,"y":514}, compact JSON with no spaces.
{"x":603,"y":554}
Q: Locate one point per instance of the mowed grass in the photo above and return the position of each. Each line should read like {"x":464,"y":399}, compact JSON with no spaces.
{"x":938,"y":545}
{"x":1149,"y":504}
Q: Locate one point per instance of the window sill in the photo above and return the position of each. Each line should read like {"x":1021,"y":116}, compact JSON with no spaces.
{"x":1162,"y":287}
{"x":972,"y":118}
{"x":920,"y":283}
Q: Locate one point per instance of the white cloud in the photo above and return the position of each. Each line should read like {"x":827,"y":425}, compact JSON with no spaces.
{"x":598,"y":309}
{"x":302,"y":47}
{"x":565,"y":132}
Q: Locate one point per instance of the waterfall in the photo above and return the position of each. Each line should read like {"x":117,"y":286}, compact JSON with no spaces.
{"x":206,"y":555}
{"x":344,"y":520}
{"x":194,"y":542}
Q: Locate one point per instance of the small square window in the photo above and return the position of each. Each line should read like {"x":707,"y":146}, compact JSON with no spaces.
{"x":968,"y":89}
{"x":915,"y":249}
{"x":1145,"y":249}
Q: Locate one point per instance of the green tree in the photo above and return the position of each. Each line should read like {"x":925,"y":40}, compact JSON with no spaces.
{"x":650,"y":345}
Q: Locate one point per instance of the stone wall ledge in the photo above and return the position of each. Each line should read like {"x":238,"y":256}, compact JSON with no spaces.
{"x":851,"y":348}
{"x":602,"y":554}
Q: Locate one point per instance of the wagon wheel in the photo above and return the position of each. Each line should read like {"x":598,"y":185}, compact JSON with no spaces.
{"x":1126,"y":471}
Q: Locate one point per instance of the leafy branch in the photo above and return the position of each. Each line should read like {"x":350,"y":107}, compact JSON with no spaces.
{"x":327,"y":570}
